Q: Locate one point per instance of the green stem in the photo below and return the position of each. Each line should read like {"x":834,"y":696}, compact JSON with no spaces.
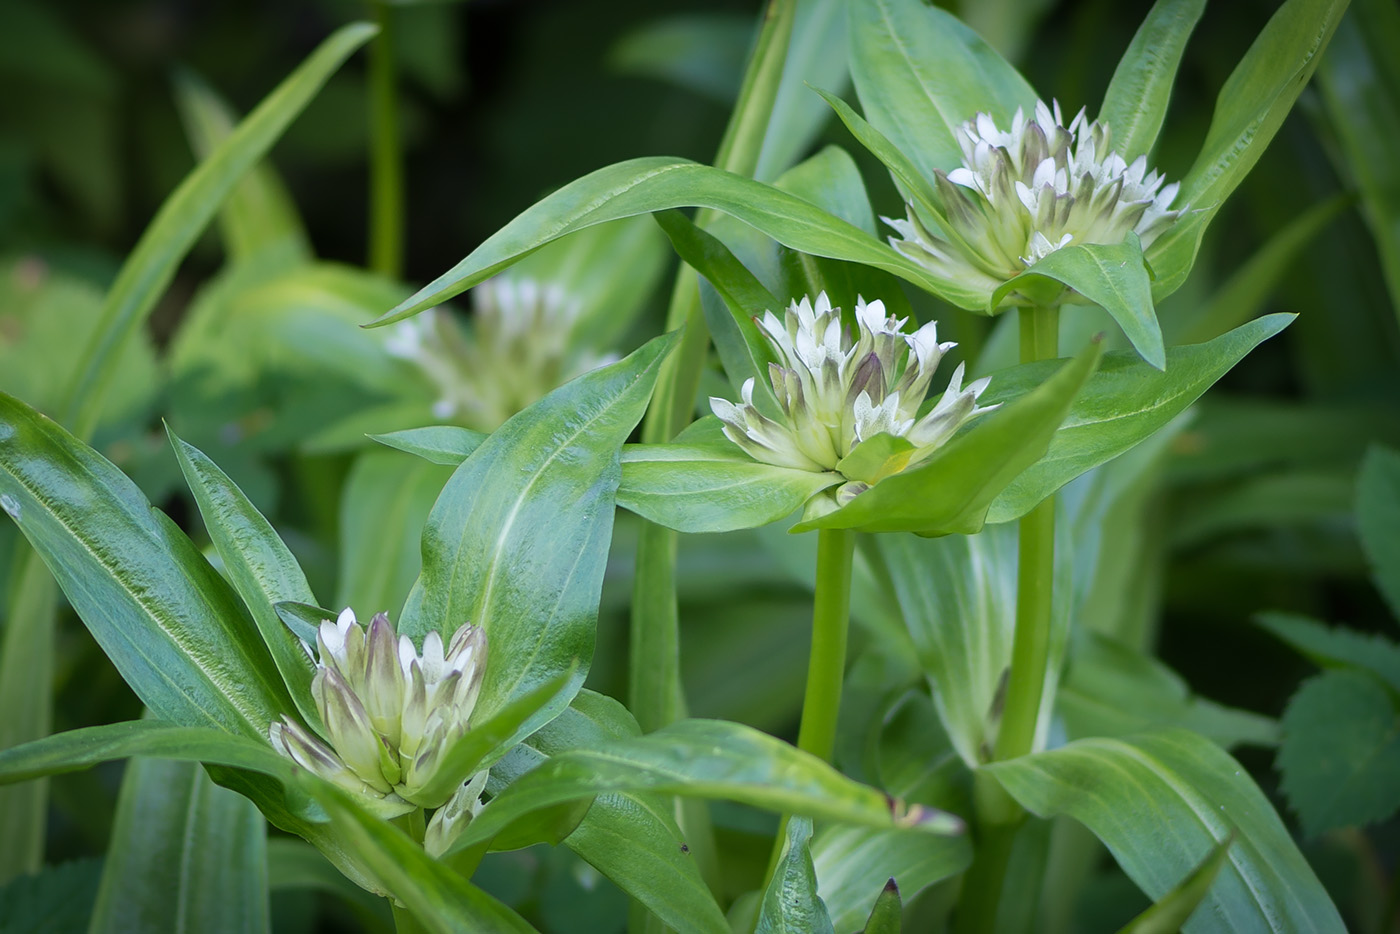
{"x":826,"y":666}
{"x":981,"y":891}
{"x":386,"y":151}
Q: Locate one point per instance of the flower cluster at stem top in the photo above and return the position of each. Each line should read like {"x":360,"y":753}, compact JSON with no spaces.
{"x":836,"y":392}
{"x":1022,"y":194}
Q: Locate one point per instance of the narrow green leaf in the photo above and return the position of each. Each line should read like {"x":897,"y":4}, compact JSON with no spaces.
{"x":1136,"y":101}
{"x":921,"y":73}
{"x":1378,"y":520}
{"x":303,"y":619}
{"x":186,"y":856}
{"x":910,"y":178}
{"x":259,"y":213}
{"x":184,"y":215}
{"x":518,"y":540}
{"x":888,"y":914}
{"x":171,"y":625}
{"x":1122,"y":404}
{"x":438,"y":444}
{"x":951,"y":490}
{"x":790,"y":905}
{"x":711,"y":487}
{"x":851,"y":861}
{"x":652,"y":184}
{"x":1337,"y":646}
{"x":1340,"y":756}
{"x":257,"y":563}
{"x":1128,"y":790}
{"x":1172,"y":910}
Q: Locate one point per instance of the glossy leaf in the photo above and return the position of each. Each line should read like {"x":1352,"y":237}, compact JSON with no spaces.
{"x":448,"y":445}
{"x":1378,"y":520}
{"x":711,"y":488}
{"x":173,"y":628}
{"x":1127,"y":790}
{"x":1172,"y":910}
{"x":951,"y":490}
{"x":1123,"y":403}
{"x":518,"y":540}
{"x":184,"y":215}
{"x":258,"y":565}
{"x":790,"y":904}
{"x":186,"y":856}
{"x":1136,"y":101}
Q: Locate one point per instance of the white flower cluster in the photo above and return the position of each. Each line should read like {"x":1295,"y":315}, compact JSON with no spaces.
{"x":836,"y":392}
{"x":1024,"y":193}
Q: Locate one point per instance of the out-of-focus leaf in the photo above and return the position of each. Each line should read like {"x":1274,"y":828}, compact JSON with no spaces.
{"x":55,"y":899}
{"x":703,"y":52}
{"x":1127,"y":790}
{"x":1378,"y":520}
{"x":1295,"y":497}
{"x":1338,"y":646}
{"x":447,"y":445}
{"x":1340,"y":756}
{"x":293,"y":864}
{"x":1136,"y":101}
{"x":1172,"y":910}
{"x":816,"y":57}
{"x":186,"y":856}
{"x":790,"y":905}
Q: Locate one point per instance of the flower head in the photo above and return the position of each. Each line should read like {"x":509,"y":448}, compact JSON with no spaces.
{"x":836,"y":392}
{"x":389,"y":712}
{"x":1024,"y":193}
{"x":522,"y":346}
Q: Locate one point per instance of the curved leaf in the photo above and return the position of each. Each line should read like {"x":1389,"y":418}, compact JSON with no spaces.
{"x":1136,"y":101}
{"x":1173,"y":909}
{"x":447,"y":445}
{"x":1160,"y":802}
{"x":790,"y":904}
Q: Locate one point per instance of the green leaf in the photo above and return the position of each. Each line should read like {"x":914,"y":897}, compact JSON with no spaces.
{"x":294,"y":865}
{"x":1172,"y":910}
{"x":518,"y":540}
{"x":1378,"y":520}
{"x":1340,"y":756}
{"x":304,"y":619}
{"x":1128,"y":790}
{"x":1251,"y":107}
{"x":1294,"y":497}
{"x":816,"y":56}
{"x":705,"y":759}
{"x":647,"y":185}
{"x":790,"y":904}
{"x":447,"y":445}
{"x":851,"y":861}
{"x":951,"y":490}
{"x":1136,"y":101}
{"x":1122,"y":404}
{"x":383,"y":507}
{"x":1337,"y":647}
{"x":186,"y":856}
{"x":711,"y":487}
{"x":259,"y":213}
{"x":171,"y":625}
{"x":257,"y":563}
{"x":921,"y":73}
{"x":877,"y":457}
{"x":1112,"y":276}
{"x":702,"y":52}
{"x":184,"y":215}
{"x":888,"y":914}
{"x":53,"y":899}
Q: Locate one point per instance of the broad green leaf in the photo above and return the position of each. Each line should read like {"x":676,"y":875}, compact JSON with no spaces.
{"x":1172,"y":910}
{"x":1251,"y":107}
{"x":1340,"y":756}
{"x":790,"y":905}
{"x":1337,"y":646}
{"x":711,"y":488}
{"x":705,"y":759}
{"x":1160,"y":802}
{"x":921,"y":73}
{"x":951,"y":490}
{"x":184,"y":215}
{"x":653,"y":184}
{"x":1378,"y":520}
{"x":447,"y":445}
{"x":258,"y":213}
{"x":1110,"y":275}
{"x":186,"y":856}
{"x":257,"y":563}
{"x":518,"y":540}
{"x":1136,"y":101}
{"x":383,"y":507}
{"x":1123,"y":403}
{"x":174,"y":629}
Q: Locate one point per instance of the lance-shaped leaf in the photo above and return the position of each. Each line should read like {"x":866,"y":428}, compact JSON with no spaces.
{"x":1160,"y":802}
{"x":1136,"y":101}
{"x":1122,"y":404}
{"x":518,"y":540}
{"x":1170,"y":912}
{"x":257,"y":563}
{"x":951,"y":490}
{"x":888,"y":914}
{"x":790,"y":904}
{"x":186,"y":856}
{"x":448,"y":445}
{"x":174,"y":629}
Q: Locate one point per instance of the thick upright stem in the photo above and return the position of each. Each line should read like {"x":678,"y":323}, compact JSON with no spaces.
{"x":386,"y":151}
{"x":826,"y":667}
